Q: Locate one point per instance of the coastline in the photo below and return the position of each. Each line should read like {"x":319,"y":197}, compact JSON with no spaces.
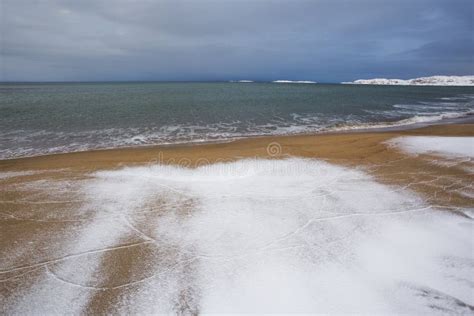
{"x":359,"y":149}
{"x":424,"y":127}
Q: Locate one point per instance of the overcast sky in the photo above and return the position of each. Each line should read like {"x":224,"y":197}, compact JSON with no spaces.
{"x":326,"y":41}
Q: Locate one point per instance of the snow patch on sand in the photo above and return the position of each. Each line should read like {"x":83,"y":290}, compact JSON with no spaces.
{"x":449,"y":147}
{"x":292,"y":235}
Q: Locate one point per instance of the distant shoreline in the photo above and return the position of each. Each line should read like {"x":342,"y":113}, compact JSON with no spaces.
{"x":439,"y":81}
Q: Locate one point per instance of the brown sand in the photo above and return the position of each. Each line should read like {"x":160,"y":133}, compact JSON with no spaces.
{"x":359,"y":148}
{"x":366,"y":150}
{"x":30,"y":215}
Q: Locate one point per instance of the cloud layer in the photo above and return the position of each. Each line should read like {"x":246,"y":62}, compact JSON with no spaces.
{"x":326,"y":41}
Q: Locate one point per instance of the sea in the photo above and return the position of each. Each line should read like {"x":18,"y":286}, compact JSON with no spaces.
{"x":46,"y":118}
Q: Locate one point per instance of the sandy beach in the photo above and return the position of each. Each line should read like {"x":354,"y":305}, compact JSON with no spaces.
{"x":57,"y":245}
{"x":357,"y":149}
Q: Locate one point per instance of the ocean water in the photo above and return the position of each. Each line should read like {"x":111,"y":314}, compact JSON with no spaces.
{"x":37,"y":119}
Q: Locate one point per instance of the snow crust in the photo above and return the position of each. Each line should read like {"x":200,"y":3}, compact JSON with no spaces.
{"x":450,"y":147}
{"x":292,"y":235}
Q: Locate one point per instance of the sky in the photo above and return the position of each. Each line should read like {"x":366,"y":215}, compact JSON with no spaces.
{"x":213,"y":40}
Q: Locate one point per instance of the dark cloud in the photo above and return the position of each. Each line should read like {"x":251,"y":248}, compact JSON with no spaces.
{"x":453,"y":50}
{"x":221,"y":40}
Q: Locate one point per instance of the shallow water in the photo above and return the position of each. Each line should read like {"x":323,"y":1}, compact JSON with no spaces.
{"x":39,"y":119}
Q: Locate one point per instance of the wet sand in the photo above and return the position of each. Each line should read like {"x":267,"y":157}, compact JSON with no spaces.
{"x":39,"y":203}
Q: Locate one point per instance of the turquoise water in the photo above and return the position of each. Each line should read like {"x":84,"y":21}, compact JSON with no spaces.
{"x":38,"y":119}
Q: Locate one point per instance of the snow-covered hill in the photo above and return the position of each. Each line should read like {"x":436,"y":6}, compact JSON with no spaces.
{"x":423,"y":81}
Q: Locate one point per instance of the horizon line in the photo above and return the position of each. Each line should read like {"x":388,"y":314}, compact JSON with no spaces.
{"x":158,"y":81}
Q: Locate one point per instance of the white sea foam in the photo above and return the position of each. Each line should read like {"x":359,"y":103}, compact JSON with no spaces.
{"x":226,"y":131}
{"x":260,"y":236}
{"x":417,"y":119}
